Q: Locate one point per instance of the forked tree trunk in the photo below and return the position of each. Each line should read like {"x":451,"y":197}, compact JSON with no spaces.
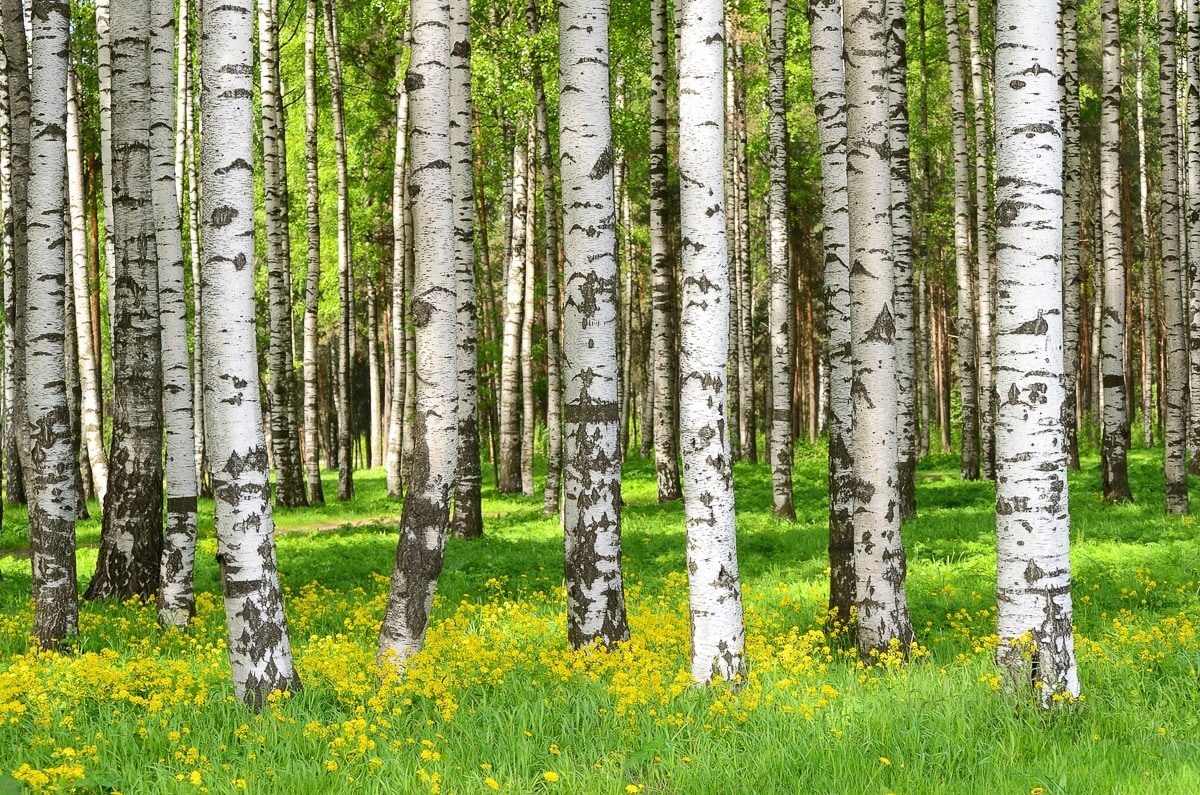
{"x":1033,"y":568}
{"x":312,"y":282}
{"x":468,"y":511}
{"x":781,"y":454}
{"x":176,"y":599}
{"x":131,"y":540}
{"x":260,"y":653}
{"x":434,"y":311}
{"x":879,"y":561}
{"x":591,"y":418}
{"x":829,"y":102}
{"x":714,"y":586}
{"x":52,"y":463}
{"x":1114,"y":444}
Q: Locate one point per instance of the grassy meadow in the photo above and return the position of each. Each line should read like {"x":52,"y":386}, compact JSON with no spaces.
{"x":497,"y":701}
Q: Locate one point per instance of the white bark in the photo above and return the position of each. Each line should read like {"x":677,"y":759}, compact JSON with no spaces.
{"x":50,"y":478}
{"x":528,"y":410}
{"x":1033,"y":569}
{"x":510,"y":363}
{"x":983,"y":246}
{"x":1192,"y":213}
{"x":259,"y":650}
{"x":1069,"y":95}
{"x":395,"y":450}
{"x":312,"y":281}
{"x":434,"y":312}
{"x":715,"y":593}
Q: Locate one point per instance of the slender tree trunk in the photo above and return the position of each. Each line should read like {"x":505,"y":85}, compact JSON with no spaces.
{"x":345,"y":263}
{"x":829,"y":102}
{"x":983,"y":247}
{"x":510,"y":439}
{"x":312,"y":282}
{"x":259,"y":649}
{"x":52,"y":463}
{"x":733,"y":251}
{"x":662,"y":265}
{"x":198,"y":420}
{"x":131,"y":541}
{"x":434,"y":309}
{"x":176,"y":599}
{"x":715,"y":592}
{"x":468,"y":512}
{"x":70,"y":342}
{"x":1033,"y":568}
{"x":969,"y":465}
{"x":1114,"y":447}
{"x":624,"y":284}
{"x":1069,"y":96}
{"x":89,"y":360}
{"x":1148,"y":357}
{"x":395,"y":451}
{"x":747,"y":425}
{"x":1192,"y":212}
{"x":1174,"y":281}
{"x":375,"y":416}
{"x":902,"y":257}
{"x":104,"y":80}
{"x":528,"y":412}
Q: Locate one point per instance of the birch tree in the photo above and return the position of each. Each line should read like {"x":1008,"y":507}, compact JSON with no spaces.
{"x":1115,"y":434}
{"x":312,"y":281}
{"x":1033,"y":569}
{"x":514,"y":306}
{"x":1069,"y":94}
{"x":176,"y":601}
{"x":260,"y":653}
{"x":664,"y":315}
{"x":426,"y":512}
{"x":591,"y":416}
{"x":714,"y":586}
{"x":829,"y":103}
{"x":1192,"y":211}
{"x":879,"y":561}
{"x":395,"y":450}
{"x":51,"y":478}
{"x":131,"y":538}
{"x":983,"y":244}
{"x":468,"y":512}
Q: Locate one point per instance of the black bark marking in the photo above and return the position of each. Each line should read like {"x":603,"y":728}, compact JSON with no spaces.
{"x":223,"y":216}
{"x":603,"y":164}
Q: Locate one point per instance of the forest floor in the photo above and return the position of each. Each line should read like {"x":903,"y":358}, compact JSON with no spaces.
{"x":497,"y":700}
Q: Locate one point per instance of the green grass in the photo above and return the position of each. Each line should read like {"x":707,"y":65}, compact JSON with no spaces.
{"x":137,"y":710}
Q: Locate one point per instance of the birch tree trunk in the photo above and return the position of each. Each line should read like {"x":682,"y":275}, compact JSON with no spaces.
{"x":395,"y":451}
{"x":983,"y":247}
{"x":1149,"y":359}
{"x":528,"y":412}
{"x":176,"y":600}
{"x":782,"y":458}
{"x":131,"y":540}
{"x":1033,"y":569}
{"x":714,"y":586}
{"x":434,"y":312}
{"x":468,"y":509}
{"x":1114,"y":445}
{"x":829,"y":103}
{"x":193,"y":180}
{"x":89,"y":359}
{"x":510,"y":364}
{"x":281,"y":389}
{"x":879,"y":560}
{"x":345,"y":263}
{"x":591,"y":416}
{"x":1192,"y":211}
{"x":51,"y":478}
{"x":312,"y":282}
{"x":375,"y":408}
{"x":747,"y":425}
{"x":967,"y":381}
{"x":260,"y":652}
{"x":902,"y":257}
{"x":1069,"y":94}
{"x":662,"y":266}
{"x":1175,"y":374}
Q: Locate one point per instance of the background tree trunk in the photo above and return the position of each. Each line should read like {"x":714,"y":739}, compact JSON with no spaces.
{"x":510,"y":440}
{"x":395,"y":449}
{"x":983,"y":247}
{"x":312,"y":282}
{"x":1069,"y":94}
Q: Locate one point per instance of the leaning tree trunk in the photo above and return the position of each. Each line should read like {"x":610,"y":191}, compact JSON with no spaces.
{"x":1115,"y":435}
{"x":51,"y":477}
{"x":510,"y":363}
{"x":1033,"y":568}
{"x":879,"y":561}
{"x":395,"y":448}
{"x":1069,"y":94}
{"x":90,"y":382}
{"x":345,"y":402}
{"x":983,"y":246}
{"x":969,"y":464}
{"x":902,"y":257}
{"x":468,"y":511}
{"x":260,"y":653}
{"x":281,"y":386}
{"x":592,"y":456}
{"x":664,"y":316}
{"x":131,"y":540}
{"x":1175,"y":374}
{"x":176,"y":599}
{"x":312,"y":281}
{"x":829,"y":102}
{"x":781,"y":454}
{"x":434,"y":311}
{"x":714,"y":586}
